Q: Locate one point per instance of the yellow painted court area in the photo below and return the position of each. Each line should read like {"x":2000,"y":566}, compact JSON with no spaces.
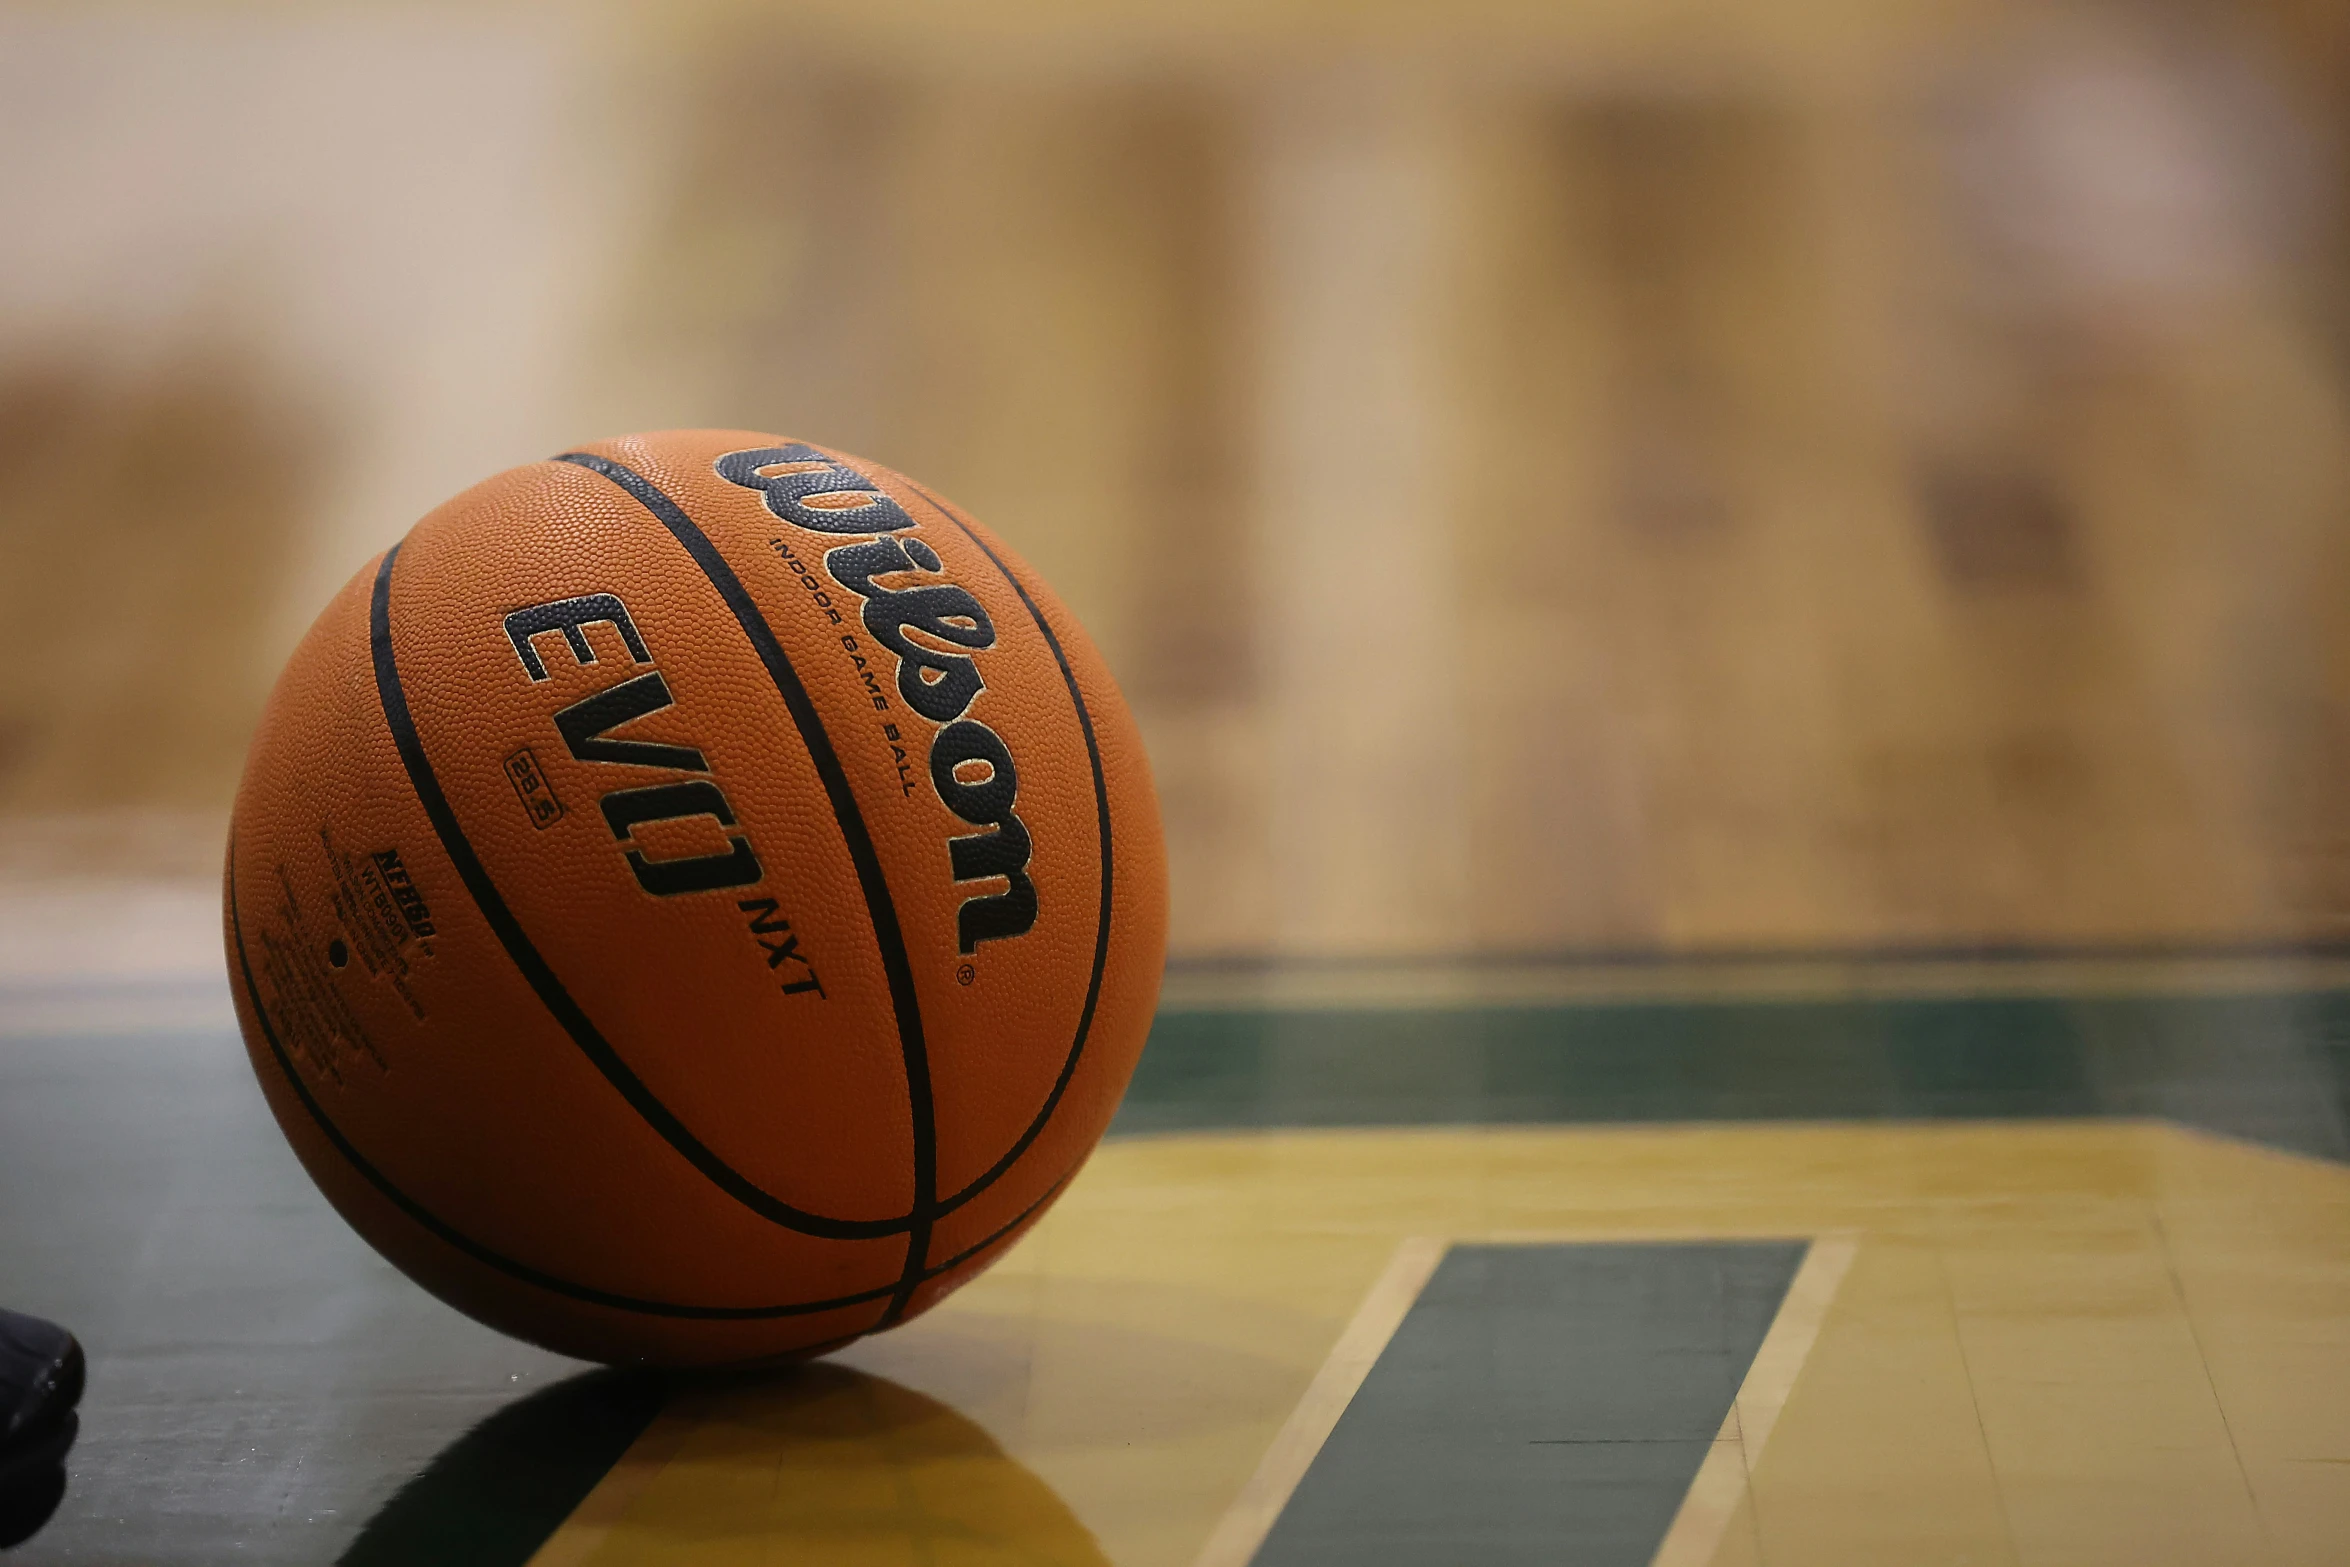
{"x":2053,"y":1343}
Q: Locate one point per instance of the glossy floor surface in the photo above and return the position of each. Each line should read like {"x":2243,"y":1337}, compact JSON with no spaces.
{"x":2000,"y":1264}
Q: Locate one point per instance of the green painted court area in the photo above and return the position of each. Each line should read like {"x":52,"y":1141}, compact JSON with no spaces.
{"x":2273,"y":1068}
{"x":264,"y":1389}
{"x":1538,"y":1394}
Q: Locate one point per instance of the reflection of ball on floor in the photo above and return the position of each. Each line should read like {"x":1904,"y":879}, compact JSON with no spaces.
{"x":695,"y":900}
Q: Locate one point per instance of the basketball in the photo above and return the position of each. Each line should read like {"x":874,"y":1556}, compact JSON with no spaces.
{"x":695,"y":901}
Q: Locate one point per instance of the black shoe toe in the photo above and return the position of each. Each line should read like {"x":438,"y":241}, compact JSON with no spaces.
{"x":41,"y":1375}
{"x":28,"y":1503}
{"x":38,"y":1450}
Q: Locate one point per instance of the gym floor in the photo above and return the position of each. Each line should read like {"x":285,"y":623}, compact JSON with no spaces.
{"x":1861,"y":1258}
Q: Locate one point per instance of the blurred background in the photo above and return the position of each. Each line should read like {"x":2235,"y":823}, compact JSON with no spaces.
{"x":1572,"y":478}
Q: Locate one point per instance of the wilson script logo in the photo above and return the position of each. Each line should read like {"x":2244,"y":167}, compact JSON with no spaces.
{"x":932,"y":628}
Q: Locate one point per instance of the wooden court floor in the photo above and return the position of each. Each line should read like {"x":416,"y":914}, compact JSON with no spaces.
{"x":2023,"y":1262}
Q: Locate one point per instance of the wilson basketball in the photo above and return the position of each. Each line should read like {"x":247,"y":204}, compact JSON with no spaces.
{"x":696,"y":900}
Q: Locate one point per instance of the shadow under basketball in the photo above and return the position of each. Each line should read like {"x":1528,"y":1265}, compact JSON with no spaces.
{"x":817,"y":1463}
{"x":826,"y":1464}
{"x":494,"y":1495}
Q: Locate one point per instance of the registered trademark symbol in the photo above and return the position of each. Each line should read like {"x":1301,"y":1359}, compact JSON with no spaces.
{"x":965,"y":974}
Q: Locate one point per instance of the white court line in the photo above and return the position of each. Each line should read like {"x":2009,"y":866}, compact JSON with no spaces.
{"x":195,"y":1006}
{"x":1305,"y":987}
{"x":1250,"y":1518}
{"x":1722,"y":1480}
{"x":94,"y":932}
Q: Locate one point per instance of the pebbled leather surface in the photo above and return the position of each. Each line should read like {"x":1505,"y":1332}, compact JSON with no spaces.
{"x":434,"y":1060}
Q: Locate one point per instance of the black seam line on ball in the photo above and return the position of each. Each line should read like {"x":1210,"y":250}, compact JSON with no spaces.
{"x":541,"y":976}
{"x":880,"y":908}
{"x":1101,"y":938}
{"x":440,"y":1228}
{"x":1022,"y":1217}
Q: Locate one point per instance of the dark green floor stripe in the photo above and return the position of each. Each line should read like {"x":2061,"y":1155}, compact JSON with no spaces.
{"x":1539,"y":1404}
{"x":2272,"y":1069}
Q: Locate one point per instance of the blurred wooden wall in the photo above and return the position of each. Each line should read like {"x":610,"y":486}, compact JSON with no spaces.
{"x":1540,"y":491}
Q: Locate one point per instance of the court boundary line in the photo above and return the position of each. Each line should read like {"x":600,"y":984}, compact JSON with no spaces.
{"x":1726,"y":1476}
{"x":1823,"y":977}
{"x":1983,"y":948}
{"x":1241,"y":1531}
{"x":1723,"y":1478}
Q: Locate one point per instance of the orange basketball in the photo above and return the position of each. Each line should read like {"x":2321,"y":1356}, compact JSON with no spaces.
{"x":695,"y":900}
